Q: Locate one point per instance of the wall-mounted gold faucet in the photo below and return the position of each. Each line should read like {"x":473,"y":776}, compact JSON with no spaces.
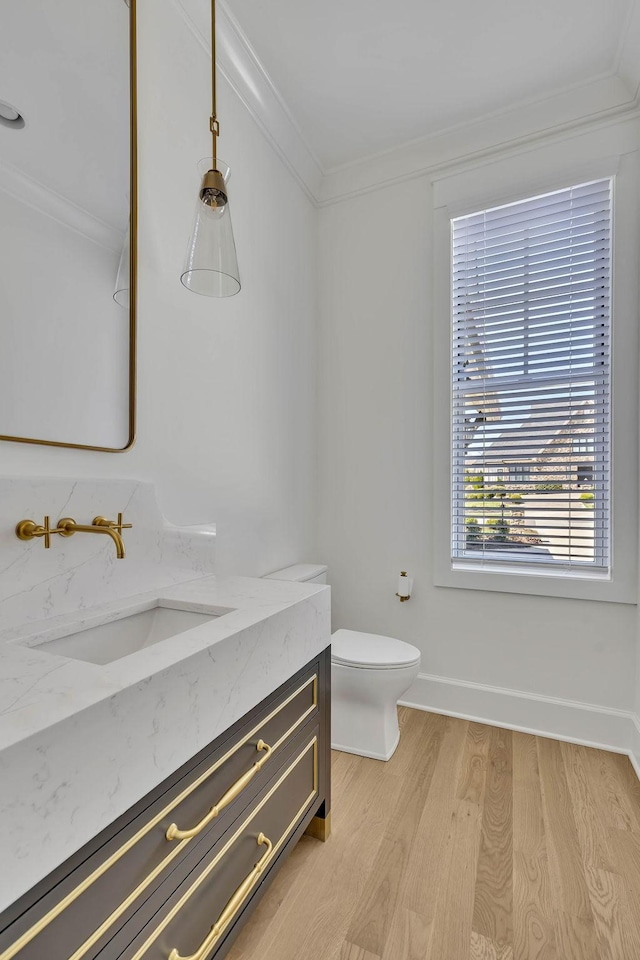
{"x":28,"y":530}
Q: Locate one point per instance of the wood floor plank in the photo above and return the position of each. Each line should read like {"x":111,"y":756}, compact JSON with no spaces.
{"x":483,"y":948}
{"x":342,"y":767}
{"x":416,"y":726}
{"x":628,"y":779}
{"x":426,"y":863}
{"x":606,"y":889}
{"x":575,"y":926}
{"x":626,"y":851}
{"x":590,"y":822}
{"x":349,"y":951}
{"x":577,"y":937}
{"x":408,"y":937}
{"x":567,"y":873}
{"x":617,"y":937}
{"x":370,"y":925}
{"x":450,"y":935}
{"x":621,"y":809}
{"x":452,"y":924}
{"x":473,"y":763}
{"x":534,"y":935}
{"x":472,"y":843}
{"x":493,"y":905}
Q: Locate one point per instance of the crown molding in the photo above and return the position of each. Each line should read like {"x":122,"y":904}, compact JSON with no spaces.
{"x":239,"y":65}
{"x":598,"y":102}
{"x":44,"y":200}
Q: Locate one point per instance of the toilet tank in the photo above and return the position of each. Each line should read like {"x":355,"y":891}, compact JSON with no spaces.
{"x":302,"y":572}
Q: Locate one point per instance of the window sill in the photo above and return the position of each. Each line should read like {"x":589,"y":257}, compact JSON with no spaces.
{"x":568,"y":584}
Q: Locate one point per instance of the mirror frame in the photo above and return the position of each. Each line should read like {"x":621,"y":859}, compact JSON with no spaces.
{"x":133,"y":257}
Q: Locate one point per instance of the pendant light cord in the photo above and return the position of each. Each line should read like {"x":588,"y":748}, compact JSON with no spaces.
{"x":213,"y":124}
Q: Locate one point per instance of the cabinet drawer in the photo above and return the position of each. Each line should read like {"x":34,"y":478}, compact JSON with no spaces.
{"x":75,"y":919}
{"x":194,"y":921}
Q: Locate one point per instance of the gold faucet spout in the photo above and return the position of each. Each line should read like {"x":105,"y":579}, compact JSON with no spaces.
{"x":68,"y":527}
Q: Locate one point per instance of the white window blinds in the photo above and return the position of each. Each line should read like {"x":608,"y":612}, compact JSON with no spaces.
{"x":531,"y":291}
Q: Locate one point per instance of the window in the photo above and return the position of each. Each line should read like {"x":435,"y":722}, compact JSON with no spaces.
{"x":531,"y":289}
{"x":520,"y":473}
{"x":583,"y":443}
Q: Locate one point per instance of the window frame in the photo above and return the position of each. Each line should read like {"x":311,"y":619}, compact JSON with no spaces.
{"x":526,"y":379}
{"x":466,"y":193}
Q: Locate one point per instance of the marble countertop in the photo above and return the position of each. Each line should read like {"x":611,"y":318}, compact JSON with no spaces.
{"x":81,"y":742}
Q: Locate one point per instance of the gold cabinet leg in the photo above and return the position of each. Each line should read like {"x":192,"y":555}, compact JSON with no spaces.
{"x":320,"y":828}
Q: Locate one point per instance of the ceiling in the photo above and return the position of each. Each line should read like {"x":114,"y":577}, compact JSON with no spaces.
{"x":358,"y":77}
{"x":366,"y":76}
{"x":65,"y":67}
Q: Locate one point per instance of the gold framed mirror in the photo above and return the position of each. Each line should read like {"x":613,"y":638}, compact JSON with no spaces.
{"x":68,"y":223}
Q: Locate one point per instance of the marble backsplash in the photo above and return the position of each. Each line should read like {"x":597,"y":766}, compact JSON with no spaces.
{"x":81,"y":571}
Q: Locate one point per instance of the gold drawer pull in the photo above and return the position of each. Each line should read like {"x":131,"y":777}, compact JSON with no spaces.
{"x":173,"y":833}
{"x":231,"y":908}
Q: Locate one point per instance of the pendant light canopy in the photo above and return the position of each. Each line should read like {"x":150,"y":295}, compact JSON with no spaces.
{"x":211,"y":265}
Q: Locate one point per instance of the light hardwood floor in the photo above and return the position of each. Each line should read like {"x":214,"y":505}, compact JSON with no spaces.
{"x":472,"y":843}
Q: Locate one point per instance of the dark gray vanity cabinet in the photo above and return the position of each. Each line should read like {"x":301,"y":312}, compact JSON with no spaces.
{"x":177,"y":875}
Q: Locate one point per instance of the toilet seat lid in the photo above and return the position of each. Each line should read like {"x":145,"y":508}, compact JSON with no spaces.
{"x":354,"y":649}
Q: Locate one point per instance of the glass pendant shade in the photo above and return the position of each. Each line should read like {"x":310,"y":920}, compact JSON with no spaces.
{"x":122,"y":291}
{"x":211,"y":265}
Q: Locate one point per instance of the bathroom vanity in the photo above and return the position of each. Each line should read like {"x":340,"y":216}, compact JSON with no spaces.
{"x":177,"y":875}
{"x":161,"y":752}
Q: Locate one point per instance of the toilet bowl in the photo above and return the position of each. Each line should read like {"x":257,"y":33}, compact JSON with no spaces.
{"x":369,"y":674}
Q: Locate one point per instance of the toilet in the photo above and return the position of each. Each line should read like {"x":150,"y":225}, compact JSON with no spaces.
{"x":369,"y":674}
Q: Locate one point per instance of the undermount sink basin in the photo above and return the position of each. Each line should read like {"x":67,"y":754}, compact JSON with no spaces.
{"x":126,"y":634}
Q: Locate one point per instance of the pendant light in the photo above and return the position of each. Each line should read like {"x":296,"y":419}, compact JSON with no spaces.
{"x":211,"y":265}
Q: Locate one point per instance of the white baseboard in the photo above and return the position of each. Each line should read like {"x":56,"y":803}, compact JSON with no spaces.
{"x":634,"y":752}
{"x":585,"y":723}
{"x":366,"y":753}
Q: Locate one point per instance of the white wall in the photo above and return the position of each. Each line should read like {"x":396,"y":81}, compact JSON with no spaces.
{"x":376,"y":481}
{"x":226,"y":402}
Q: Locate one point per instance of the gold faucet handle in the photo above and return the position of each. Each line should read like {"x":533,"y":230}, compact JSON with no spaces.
{"x":115,"y":525}
{"x":29,"y":530}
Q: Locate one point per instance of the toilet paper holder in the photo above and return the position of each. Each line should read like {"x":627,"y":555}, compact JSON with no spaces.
{"x":405,"y":586}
